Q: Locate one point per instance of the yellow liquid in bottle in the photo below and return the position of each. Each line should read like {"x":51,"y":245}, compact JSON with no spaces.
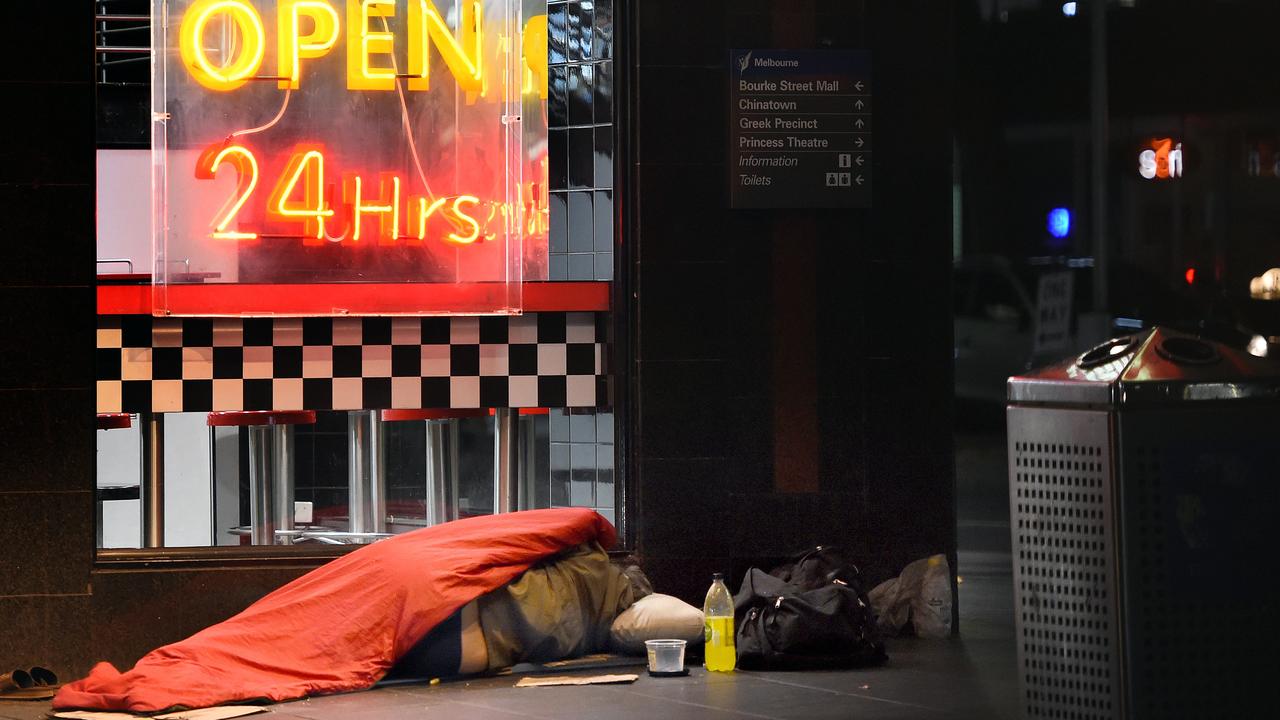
{"x":721,"y":654}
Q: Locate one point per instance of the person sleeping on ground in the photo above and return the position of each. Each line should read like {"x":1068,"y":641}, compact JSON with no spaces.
{"x":461,"y":597}
{"x":562,"y":607}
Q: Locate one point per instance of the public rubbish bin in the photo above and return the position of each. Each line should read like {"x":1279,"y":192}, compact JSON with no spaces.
{"x":1143,"y":485}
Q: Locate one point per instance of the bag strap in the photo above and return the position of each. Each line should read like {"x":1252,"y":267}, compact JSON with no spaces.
{"x":837,"y":550}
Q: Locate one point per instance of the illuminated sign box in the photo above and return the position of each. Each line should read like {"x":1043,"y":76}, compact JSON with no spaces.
{"x":1161,"y":159}
{"x":314,"y":149}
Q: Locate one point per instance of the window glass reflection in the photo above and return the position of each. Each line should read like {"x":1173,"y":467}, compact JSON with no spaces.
{"x":432,"y":470}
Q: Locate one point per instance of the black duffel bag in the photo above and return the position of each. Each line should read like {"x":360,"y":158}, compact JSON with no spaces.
{"x":816,"y":624}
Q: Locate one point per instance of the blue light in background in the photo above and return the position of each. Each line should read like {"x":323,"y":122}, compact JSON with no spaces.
{"x":1059,"y":222}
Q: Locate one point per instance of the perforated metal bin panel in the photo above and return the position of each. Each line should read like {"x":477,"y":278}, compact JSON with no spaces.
{"x":1062,"y":501}
{"x":1200,"y":499}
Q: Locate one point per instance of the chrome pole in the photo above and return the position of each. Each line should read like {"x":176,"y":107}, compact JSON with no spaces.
{"x":357,"y":469}
{"x":506,"y":461}
{"x":260,"y":515}
{"x":282,"y":482}
{"x":437,"y":493}
{"x":453,"y":473}
{"x":213,"y":487}
{"x":98,"y":504}
{"x":152,"y":486}
{"x":528,"y":460}
{"x":377,"y":486}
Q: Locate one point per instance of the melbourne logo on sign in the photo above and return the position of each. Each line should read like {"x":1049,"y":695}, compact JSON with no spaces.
{"x":750,"y":60}
{"x":361,"y":141}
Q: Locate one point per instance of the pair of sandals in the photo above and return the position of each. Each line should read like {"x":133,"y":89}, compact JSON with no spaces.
{"x":35,"y":684}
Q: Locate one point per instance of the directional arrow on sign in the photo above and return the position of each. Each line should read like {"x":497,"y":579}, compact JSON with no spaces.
{"x":858,"y":104}
{"x":858,"y":86}
{"x":858,"y":179}
{"x":859,"y":142}
{"x":859,"y":124}
{"x":858,"y":160}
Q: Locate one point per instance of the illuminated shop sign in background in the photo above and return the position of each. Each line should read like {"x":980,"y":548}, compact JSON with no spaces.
{"x":1161,"y":159}
{"x":317,"y":144}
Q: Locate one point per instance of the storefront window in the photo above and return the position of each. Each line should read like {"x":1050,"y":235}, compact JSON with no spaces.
{"x":529,"y":390}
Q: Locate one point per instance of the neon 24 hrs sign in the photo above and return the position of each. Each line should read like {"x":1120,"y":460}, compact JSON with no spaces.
{"x":354,"y":126}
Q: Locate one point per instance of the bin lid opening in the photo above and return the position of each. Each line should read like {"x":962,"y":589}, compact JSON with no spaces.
{"x":1107,"y":351}
{"x":1187,"y":351}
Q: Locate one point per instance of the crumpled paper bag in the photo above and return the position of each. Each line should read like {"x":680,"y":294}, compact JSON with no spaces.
{"x":920,"y":595}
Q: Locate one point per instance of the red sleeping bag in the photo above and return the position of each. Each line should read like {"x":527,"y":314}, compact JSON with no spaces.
{"x":342,"y":626}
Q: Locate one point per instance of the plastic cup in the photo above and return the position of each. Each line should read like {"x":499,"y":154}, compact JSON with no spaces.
{"x":665,"y":656}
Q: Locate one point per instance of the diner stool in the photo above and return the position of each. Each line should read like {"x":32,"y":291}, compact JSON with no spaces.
{"x":271,"y":494}
{"x":110,"y":493}
{"x":366,"y":477}
{"x":441,"y":456}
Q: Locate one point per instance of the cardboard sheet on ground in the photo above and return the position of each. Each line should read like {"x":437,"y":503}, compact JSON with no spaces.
{"x":214,"y":713}
{"x":581,"y":680}
{"x":598,"y":661}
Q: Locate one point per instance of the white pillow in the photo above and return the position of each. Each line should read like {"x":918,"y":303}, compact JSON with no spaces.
{"x":655,"y":617}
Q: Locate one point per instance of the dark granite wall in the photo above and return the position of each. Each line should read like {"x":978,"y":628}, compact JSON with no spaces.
{"x":46,"y":301}
{"x":791,"y":377}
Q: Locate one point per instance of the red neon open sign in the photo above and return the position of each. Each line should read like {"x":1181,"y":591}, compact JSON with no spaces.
{"x":366,"y":141}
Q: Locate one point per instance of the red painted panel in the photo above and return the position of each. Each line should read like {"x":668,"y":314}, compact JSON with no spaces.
{"x":245,"y":418}
{"x":330,"y":299}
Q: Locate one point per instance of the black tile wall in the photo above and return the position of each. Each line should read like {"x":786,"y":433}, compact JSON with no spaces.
{"x":580,"y":111}
{"x":603,"y":209}
{"x":685,"y":576}
{"x":53,"y":32}
{"x":44,"y":340}
{"x":670,"y":90}
{"x":581,"y":461}
{"x":689,"y":418}
{"x":43,"y":225}
{"x":45,"y":438}
{"x":672,"y":232}
{"x":703,"y":522}
{"x":53,"y":630}
{"x":717,"y":288}
{"x":46,"y":336}
{"x":44,"y":561}
{"x":62,"y":104}
{"x":699,"y":288}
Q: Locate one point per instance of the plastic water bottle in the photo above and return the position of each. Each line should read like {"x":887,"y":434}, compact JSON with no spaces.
{"x":720,"y":651}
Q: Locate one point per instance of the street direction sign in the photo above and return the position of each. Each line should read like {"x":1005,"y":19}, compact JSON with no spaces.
{"x":801,"y":129}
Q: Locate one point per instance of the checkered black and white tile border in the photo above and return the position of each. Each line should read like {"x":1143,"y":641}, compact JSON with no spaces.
{"x":204,"y":364}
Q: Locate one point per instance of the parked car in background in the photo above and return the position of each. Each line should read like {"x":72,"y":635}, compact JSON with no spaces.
{"x":994,"y":327}
{"x":1011,"y":317}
